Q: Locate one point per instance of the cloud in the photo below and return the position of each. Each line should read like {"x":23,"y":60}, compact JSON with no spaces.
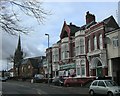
{"x":59,"y":1}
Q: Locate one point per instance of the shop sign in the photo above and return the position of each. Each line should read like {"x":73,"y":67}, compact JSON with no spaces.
{"x":68,"y":66}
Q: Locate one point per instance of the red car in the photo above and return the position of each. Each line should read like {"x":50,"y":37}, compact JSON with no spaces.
{"x":73,"y":82}
{"x":76,"y":81}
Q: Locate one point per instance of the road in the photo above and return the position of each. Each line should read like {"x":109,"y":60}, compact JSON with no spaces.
{"x":15,"y":88}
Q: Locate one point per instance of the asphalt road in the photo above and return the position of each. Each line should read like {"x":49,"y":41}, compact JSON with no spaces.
{"x":17,"y":88}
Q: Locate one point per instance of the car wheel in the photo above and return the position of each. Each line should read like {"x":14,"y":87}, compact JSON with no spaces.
{"x":110,"y":94}
{"x":67,"y":85}
{"x":60,"y":84}
{"x":91,"y":93}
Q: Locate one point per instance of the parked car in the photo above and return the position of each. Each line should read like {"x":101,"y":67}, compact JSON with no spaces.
{"x":72,"y":82}
{"x":58,"y":81}
{"x":3,"y":79}
{"x":76,"y":81}
{"x":38,"y":78}
{"x":106,"y":87}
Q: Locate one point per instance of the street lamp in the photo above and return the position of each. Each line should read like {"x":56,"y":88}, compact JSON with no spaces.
{"x":47,"y":58}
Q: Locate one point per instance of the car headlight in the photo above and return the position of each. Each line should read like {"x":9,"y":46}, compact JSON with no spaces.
{"x":116,"y":91}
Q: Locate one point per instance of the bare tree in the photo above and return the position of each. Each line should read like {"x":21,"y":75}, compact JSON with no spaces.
{"x":9,"y":20}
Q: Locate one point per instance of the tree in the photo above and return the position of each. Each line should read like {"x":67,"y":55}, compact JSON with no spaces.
{"x":9,"y":20}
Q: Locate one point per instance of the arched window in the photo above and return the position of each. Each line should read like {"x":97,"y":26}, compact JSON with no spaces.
{"x":100,"y":42}
{"x":95,"y":43}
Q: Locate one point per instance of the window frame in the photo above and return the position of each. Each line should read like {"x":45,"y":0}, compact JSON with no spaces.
{"x":100,"y":41}
{"x":115,"y":42}
{"x":95,"y":42}
{"x":101,"y":85}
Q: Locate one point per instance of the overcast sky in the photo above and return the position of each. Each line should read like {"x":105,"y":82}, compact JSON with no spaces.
{"x":35,"y":43}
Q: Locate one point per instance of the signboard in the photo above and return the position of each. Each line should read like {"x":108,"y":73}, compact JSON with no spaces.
{"x":68,"y":66}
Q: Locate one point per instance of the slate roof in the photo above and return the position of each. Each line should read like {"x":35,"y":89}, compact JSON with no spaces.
{"x":110,"y":24}
{"x":35,"y":61}
{"x":73,"y":29}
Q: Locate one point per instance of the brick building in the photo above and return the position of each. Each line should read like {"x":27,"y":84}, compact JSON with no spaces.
{"x":83,"y":52}
{"x":31,"y":66}
{"x":95,"y":44}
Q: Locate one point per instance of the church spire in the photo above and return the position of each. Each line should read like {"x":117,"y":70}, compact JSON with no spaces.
{"x":18,"y":56}
{"x":19,"y":44}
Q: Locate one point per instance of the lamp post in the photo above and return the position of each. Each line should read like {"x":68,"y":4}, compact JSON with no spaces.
{"x":47,"y":58}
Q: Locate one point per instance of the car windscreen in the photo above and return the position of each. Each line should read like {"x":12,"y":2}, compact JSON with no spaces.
{"x":110,"y":83}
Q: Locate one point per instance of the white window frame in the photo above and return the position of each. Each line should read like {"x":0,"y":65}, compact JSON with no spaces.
{"x":82,"y":46}
{"x":89,"y":45}
{"x":82,"y":63}
{"x":100,"y":41}
{"x":64,"y":51}
{"x":115,"y":42}
{"x":95,"y":43}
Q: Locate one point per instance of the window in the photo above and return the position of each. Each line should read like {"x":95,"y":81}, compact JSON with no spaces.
{"x":16,"y":69}
{"x":56,"y":54}
{"x":83,"y":70}
{"x":89,"y":46}
{"x":94,"y":83}
{"x":82,"y":62}
{"x":101,"y":83}
{"x":95,"y":43}
{"x":100,"y":42}
{"x":78,"y":70}
{"x":78,"y":67}
{"x":110,"y":83}
{"x":29,"y":67}
{"x":115,"y":41}
{"x":22,"y":69}
{"x":77,"y":47}
{"x":81,"y":46}
{"x":64,"y":51}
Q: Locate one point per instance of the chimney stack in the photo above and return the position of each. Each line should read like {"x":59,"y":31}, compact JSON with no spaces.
{"x":89,"y":17}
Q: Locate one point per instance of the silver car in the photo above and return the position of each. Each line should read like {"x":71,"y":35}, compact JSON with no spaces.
{"x":106,"y":87}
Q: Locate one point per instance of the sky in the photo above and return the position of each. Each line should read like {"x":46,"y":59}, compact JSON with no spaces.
{"x":35,"y":43}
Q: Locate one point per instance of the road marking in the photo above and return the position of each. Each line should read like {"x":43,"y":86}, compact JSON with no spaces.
{"x":39,"y":91}
{"x":56,"y":86}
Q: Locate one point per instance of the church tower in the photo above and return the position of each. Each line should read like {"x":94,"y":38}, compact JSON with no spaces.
{"x":18,"y":56}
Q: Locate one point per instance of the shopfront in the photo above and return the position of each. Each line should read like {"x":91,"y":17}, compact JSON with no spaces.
{"x":67,"y":70}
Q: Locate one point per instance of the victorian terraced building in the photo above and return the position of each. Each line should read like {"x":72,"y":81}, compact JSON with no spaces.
{"x":82,"y":51}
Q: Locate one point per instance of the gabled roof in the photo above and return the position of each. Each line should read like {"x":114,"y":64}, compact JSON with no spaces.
{"x":110,"y":24}
{"x":73,"y":29}
{"x":35,"y":61}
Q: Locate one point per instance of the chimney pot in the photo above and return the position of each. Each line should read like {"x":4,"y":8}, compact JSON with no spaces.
{"x":89,"y":17}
